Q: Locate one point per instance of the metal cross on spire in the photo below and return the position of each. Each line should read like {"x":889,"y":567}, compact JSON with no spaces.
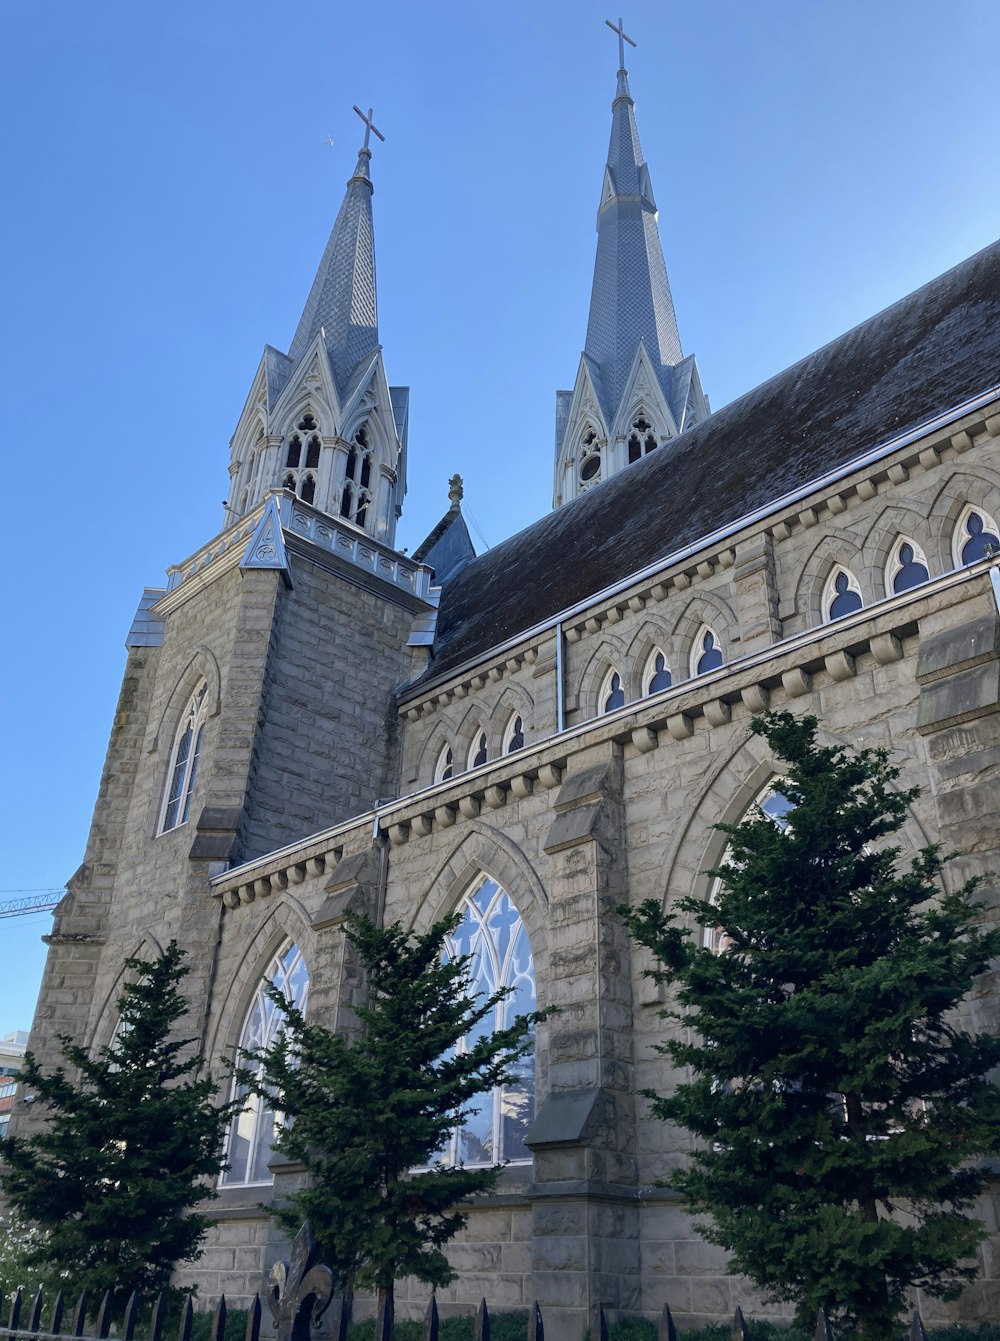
{"x":370,"y":124}
{"x":623,"y":37}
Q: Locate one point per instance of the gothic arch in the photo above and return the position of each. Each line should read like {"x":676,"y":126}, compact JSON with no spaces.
{"x":287,"y":921}
{"x":654,"y":634}
{"x":309,"y":401}
{"x":476,"y":720}
{"x":147,"y":947}
{"x":960,"y":490}
{"x":829,"y":552}
{"x":896,"y":519}
{"x":202,"y":666}
{"x":609,"y":654}
{"x":514,"y":698}
{"x":705,"y":609}
{"x":440,"y":737}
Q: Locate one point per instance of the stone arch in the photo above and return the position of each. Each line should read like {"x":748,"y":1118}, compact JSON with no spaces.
{"x":147,"y":947}
{"x":705,"y":609}
{"x":609,"y":653}
{"x":476,"y":719}
{"x":202,"y":666}
{"x":829,"y":552}
{"x":653,"y":634}
{"x":286,"y":921}
{"x":907,"y":519}
{"x":514,"y":698}
{"x":960,"y":490}
{"x":308,"y":401}
{"x":440,"y":737}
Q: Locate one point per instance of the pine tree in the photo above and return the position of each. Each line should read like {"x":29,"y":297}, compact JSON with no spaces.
{"x":130,"y":1138}
{"x":368,"y":1116}
{"x":840,"y":1106}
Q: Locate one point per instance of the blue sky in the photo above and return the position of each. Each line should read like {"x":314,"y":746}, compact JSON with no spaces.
{"x":169,"y":191}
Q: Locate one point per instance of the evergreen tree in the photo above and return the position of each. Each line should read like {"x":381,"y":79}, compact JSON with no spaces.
{"x":840,"y":1105}
{"x":130,"y":1138}
{"x":368,"y":1117}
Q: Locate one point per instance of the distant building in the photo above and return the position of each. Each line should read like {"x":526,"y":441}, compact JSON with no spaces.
{"x":12,"y":1048}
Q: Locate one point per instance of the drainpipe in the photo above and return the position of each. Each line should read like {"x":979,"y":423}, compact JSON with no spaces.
{"x":561,"y":679}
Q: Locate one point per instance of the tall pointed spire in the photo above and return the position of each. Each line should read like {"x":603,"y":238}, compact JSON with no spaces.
{"x":630,"y":300}
{"x":635,"y":390}
{"x":342,"y":300}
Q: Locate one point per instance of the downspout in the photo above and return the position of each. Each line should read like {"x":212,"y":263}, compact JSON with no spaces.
{"x":561,"y":678}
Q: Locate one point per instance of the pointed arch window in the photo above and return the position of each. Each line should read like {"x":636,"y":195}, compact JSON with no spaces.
{"x":479,"y":750}
{"x":656,"y":674}
{"x":356,"y":498}
{"x":642,"y":440}
{"x":589,"y":467}
{"x":976,"y":537}
{"x":302,"y":459}
{"x":612,"y":692}
{"x":842,"y":595}
{"x":907,"y":566}
{"x":706,"y":655}
{"x":492,"y":933}
{"x":768,"y":805}
{"x":251,"y":1136}
{"x":444,"y":769}
{"x":513,"y":736}
{"x":184,"y":759}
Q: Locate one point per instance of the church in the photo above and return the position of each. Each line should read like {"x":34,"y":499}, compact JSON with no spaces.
{"x":312,"y":721}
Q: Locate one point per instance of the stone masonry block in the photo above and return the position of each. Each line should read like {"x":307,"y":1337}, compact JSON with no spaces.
{"x":959,"y":698}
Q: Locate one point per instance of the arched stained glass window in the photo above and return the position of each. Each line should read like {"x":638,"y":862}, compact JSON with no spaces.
{"x":977,"y":537}
{"x":612,"y":693}
{"x":250,"y":1141}
{"x":770,"y":805}
{"x":479,"y":750}
{"x":513,"y":736}
{"x":907,"y":566}
{"x":657,"y":673}
{"x":491,"y":931}
{"x":184,"y":760}
{"x":445,"y":766}
{"x":707,"y":655}
{"x":842,"y":595}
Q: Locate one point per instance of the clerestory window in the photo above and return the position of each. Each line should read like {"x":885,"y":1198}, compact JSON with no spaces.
{"x":479,"y":750}
{"x":656,"y":675}
{"x":444,"y":769}
{"x":842,"y":595}
{"x":251,"y":1136}
{"x":612,"y":692}
{"x":907,"y":566}
{"x":513,"y":736}
{"x":976,"y":537}
{"x":184,"y":759}
{"x":707,"y":654}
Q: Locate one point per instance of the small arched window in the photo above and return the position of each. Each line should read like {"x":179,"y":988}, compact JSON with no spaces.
{"x":706,"y":655}
{"x":976,"y":537}
{"x":590,"y":456}
{"x":513,"y":736}
{"x":656,"y":675}
{"x":642,"y":439}
{"x":612,"y":692}
{"x":907,"y":566}
{"x":184,"y":758}
{"x":250,"y":1141}
{"x":492,"y":933}
{"x":444,"y":769}
{"x":356,"y":498}
{"x":294,"y":454}
{"x":842,"y":595}
{"x":307,"y":488}
{"x":479,"y":750}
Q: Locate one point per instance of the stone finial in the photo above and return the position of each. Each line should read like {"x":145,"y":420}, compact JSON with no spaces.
{"x":455,"y":491}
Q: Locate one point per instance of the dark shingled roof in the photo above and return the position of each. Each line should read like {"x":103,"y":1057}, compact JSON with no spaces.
{"x":917,"y":359}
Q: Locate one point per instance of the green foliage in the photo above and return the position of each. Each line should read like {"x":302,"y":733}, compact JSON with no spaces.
{"x":367,"y":1115}
{"x":129,"y":1141}
{"x":841,"y":1109}
{"x":512,"y":1326}
{"x":19,"y":1242}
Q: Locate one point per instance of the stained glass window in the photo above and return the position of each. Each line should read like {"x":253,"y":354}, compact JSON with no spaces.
{"x":479,"y":753}
{"x":492,"y":933}
{"x":612,"y":695}
{"x":445,"y":767}
{"x":657,"y":674}
{"x":250,"y":1142}
{"x":708,"y":654}
{"x":843,"y":596}
{"x":513,"y":738}
{"x":907,"y":566}
{"x":184,"y":760}
{"x":978,"y":537}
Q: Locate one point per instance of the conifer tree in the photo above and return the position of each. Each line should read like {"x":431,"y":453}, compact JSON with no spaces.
{"x":368,"y":1116}
{"x":840,"y":1106}
{"x":130,"y":1138}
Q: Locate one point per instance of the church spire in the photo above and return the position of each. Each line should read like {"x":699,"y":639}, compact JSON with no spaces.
{"x":630,"y":299}
{"x":342,"y":301}
{"x":635,"y":390}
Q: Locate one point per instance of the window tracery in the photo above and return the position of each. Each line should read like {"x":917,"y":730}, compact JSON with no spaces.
{"x":302,"y":459}
{"x":976,"y":537}
{"x":513,"y":736}
{"x":589,"y":465}
{"x":612,"y":692}
{"x":479,"y":750}
{"x":656,"y":675}
{"x":642,"y":439}
{"x":493,"y":934}
{"x":444,"y":769}
{"x":907,"y":566}
{"x":842,"y":595}
{"x":355,"y":500}
{"x":251,"y":1136}
{"x":184,"y":759}
{"x":707,"y":654}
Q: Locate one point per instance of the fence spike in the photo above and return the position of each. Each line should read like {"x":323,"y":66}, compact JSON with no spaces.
{"x":740,"y":1331}
{"x":80,"y":1314}
{"x":824,"y":1332}
{"x":184,"y":1327}
{"x":35,"y":1316}
{"x":431,"y":1321}
{"x":666,"y":1331}
{"x":15,"y":1310}
{"x":385,"y":1320}
{"x":536,"y":1328}
{"x":482,"y":1328}
{"x":58,"y":1308}
{"x":252,"y":1332}
{"x":218,"y":1331}
{"x":917,"y":1331}
{"x":128,"y":1322}
{"x":104,"y":1317}
{"x":156,"y":1319}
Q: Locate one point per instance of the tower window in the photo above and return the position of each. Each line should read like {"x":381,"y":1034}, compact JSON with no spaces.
{"x":184,"y":759}
{"x":307,"y":488}
{"x":590,"y":457}
{"x":307,"y":423}
{"x":642,"y":439}
{"x":356,"y":498}
{"x":312,"y":453}
{"x":294,"y":451}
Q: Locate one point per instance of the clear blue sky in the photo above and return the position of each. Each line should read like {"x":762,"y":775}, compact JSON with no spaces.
{"x":168,"y":192}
